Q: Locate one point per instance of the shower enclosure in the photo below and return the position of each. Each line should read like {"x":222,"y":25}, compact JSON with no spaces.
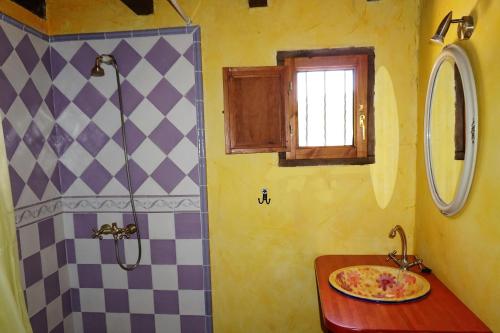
{"x":65,"y":149}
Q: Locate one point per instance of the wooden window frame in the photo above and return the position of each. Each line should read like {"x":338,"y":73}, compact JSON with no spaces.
{"x":362,"y":61}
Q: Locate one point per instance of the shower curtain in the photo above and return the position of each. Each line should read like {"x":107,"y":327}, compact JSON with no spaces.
{"x":13,"y":315}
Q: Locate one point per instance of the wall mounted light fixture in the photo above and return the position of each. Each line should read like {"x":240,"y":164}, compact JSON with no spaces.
{"x":464,"y":30}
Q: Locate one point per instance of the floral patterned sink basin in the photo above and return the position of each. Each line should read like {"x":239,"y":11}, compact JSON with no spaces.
{"x":379,"y":283}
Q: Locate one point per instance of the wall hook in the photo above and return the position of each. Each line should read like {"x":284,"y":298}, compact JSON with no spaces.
{"x":264,"y":197}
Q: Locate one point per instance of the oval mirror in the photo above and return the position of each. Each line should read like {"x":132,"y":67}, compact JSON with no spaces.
{"x":450,"y":129}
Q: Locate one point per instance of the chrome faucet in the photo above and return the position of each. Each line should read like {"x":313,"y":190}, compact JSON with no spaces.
{"x":403,"y":261}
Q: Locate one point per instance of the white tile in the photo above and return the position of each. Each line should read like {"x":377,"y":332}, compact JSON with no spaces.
{"x":104,"y":46}
{"x":183,"y":116}
{"x":39,"y":44}
{"x":180,"y":42}
{"x":15,"y":72}
{"x":21,"y":118}
{"x":191,"y":302}
{"x":108,"y":118}
{"x":189,"y":251}
{"x":131,"y":251}
{"x":49,"y":260}
{"x":29,"y":240}
{"x":14,"y":34}
{"x":73,"y":276}
{"x":181,"y":75}
{"x":186,"y":187}
{"x":113,"y":277}
{"x":44,"y":122}
{"x":114,"y":187}
{"x":54,"y":313}
{"x":148,"y":156}
{"x":47,"y":160}
{"x":50,"y":192}
{"x":87,"y":251}
{"x":165,"y":277}
{"x":70,"y":82}
{"x":168,"y":323}
{"x":111,"y":157}
{"x":92,"y":300}
{"x":41,"y":79}
{"x":145,"y":77}
{"x":141,"y":301}
{"x":142,"y":44}
{"x":73,"y":323}
{"x":59,"y":227}
{"x":149,"y":188}
{"x":23,"y":161}
{"x":27,"y":197}
{"x":69,"y":227}
{"x":64,"y":278}
{"x":79,"y":188}
{"x":117,"y":323}
{"x":35,"y":296}
{"x":76,"y":158}
{"x":67,"y":49}
{"x":73,"y":121}
{"x":161,"y":226}
{"x":184,"y":155}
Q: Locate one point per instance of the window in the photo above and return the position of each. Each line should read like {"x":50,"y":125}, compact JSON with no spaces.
{"x":315,"y":108}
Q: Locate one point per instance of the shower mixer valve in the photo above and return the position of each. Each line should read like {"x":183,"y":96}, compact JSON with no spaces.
{"x":113,"y":229}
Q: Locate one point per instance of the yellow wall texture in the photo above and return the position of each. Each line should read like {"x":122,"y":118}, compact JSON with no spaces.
{"x":19,"y":13}
{"x":262,"y":256}
{"x":464,"y":250}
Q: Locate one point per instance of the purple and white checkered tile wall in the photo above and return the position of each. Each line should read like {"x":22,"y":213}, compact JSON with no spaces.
{"x":65,"y":159}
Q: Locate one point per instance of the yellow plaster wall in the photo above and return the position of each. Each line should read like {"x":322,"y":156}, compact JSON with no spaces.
{"x":464,"y":250}
{"x":19,"y":13}
{"x":262,"y":256}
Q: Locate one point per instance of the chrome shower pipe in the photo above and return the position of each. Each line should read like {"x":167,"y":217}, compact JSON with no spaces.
{"x":181,"y":12}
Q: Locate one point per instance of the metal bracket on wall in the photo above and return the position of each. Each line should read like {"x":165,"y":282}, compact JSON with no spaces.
{"x":264,"y":197}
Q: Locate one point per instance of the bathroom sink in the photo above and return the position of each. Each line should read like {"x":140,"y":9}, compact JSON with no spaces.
{"x":379,"y":283}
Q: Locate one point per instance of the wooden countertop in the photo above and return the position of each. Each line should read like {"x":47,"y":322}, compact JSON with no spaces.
{"x":440,"y":311}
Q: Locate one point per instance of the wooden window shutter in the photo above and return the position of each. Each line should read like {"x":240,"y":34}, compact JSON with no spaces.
{"x":255,"y":102}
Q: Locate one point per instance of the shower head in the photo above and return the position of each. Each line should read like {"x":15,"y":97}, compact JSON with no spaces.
{"x":107,"y":59}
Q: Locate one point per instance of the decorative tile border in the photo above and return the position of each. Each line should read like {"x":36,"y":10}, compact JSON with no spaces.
{"x":116,"y":204}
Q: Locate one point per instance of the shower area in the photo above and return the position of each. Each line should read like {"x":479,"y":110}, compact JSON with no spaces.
{"x":64,"y":144}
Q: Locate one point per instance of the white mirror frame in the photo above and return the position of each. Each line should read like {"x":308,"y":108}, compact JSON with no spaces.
{"x":471,"y":129}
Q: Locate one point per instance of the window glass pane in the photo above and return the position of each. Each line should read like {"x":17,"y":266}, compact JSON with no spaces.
{"x":325,"y":108}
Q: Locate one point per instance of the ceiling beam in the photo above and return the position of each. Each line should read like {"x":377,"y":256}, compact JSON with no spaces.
{"x":140,"y":7}
{"x":257,"y":3}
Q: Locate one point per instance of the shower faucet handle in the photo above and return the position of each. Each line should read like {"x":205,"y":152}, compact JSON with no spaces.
{"x":113,"y":229}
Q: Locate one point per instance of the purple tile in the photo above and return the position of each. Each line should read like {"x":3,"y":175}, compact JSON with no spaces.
{"x":34,"y":140}
{"x":194,"y":175}
{"x":192,"y":324}
{"x":84,"y":60}
{"x":96,"y":176}
{"x":56,"y":179}
{"x":89,"y":100}
{"x":162,"y":56}
{"x":59,"y":140}
{"x":191,"y":95}
{"x":168,"y":175}
{"x":126,"y":57}
{"x":56,"y":101}
{"x":166,"y":301}
{"x":142,"y":219}
{"x":61,"y":254}
{"x":94,"y":322}
{"x":134,"y":136}
{"x":190,"y":277}
{"x":189,"y":54}
{"x":131,"y":98}
{"x":32,"y":269}
{"x":116,"y":300}
{"x":27,"y":54}
{"x":90,"y":275}
{"x":75,"y":300}
{"x":66,"y":303}
{"x":164,"y":96}
{"x":6,"y":48}
{"x":58,"y":329}
{"x":187,"y":226}
{"x":67,"y":178}
{"x":31,"y":97}
{"x":142,"y":323}
{"x":39,"y":322}
{"x":140,"y":278}
{"x":46,"y":61}
{"x":193,"y":136}
{"x":163,"y":251}
{"x":38,"y":181}
{"x":166,"y":136}
{"x":18,"y":244}
{"x":138,"y":176}
{"x":107,"y":247}
{"x":52,"y":287}
{"x":12,"y":139}
{"x":7,"y":93}
{"x":57,"y":63}
{"x":70,"y":251}
{"x":46,"y":233}
{"x":17,"y":185}
{"x":83,"y":224}
{"x":93,"y":139}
